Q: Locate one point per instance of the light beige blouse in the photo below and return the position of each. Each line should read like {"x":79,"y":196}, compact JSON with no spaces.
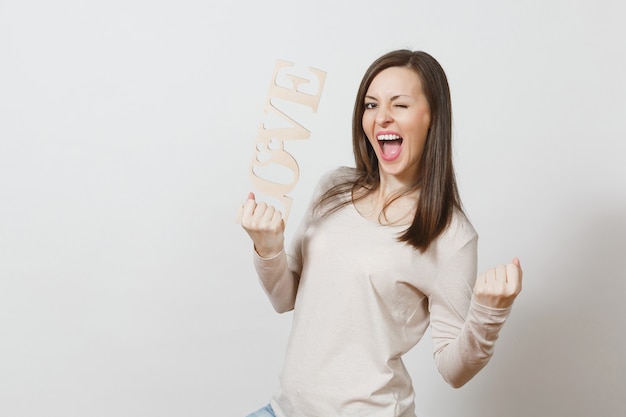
{"x":361,"y":299}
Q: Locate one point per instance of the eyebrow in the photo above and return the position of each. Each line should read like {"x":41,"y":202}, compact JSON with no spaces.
{"x":392,"y":98}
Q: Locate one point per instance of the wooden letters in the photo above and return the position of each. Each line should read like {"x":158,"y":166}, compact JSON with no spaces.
{"x":269,"y":146}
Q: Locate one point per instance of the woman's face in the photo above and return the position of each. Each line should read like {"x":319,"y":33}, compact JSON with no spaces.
{"x":396,"y":121}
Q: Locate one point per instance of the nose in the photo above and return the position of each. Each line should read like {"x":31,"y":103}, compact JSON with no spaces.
{"x":383,"y":116}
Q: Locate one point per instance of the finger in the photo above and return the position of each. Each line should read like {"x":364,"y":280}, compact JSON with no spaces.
{"x":516,"y":264}
{"x":501,"y":274}
{"x":252,"y":211}
{"x":513,"y":273}
{"x":267,"y":214}
{"x":278,"y":220}
{"x":241,"y":208}
{"x":249,"y":207}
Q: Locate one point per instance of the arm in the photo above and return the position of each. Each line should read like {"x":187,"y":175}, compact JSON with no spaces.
{"x":265,"y":226}
{"x":278,"y":281}
{"x":467,"y":314}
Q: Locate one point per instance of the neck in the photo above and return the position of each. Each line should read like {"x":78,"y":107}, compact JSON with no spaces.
{"x":388,"y":204}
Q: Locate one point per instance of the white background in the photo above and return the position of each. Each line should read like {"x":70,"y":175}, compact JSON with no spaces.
{"x":126,"y":130}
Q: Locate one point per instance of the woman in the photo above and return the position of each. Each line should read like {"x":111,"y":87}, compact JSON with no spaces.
{"x":383,"y":252}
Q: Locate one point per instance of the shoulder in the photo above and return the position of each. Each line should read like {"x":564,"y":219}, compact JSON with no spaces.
{"x":334,"y":177}
{"x":459,"y":232}
{"x":454,"y":251}
{"x":338,"y":175}
{"x":333,"y":188}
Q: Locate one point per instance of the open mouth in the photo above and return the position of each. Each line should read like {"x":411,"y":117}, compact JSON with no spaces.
{"x":390,"y":145}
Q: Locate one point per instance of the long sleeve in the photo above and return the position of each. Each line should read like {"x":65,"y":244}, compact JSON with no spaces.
{"x":278,"y":280}
{"x":464,"y":332}
{"x":280,"y":275}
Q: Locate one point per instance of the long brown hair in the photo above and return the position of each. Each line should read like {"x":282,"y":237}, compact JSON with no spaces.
{"x":436,"y":182}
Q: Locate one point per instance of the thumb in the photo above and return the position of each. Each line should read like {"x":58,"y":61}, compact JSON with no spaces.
{"x":516,"y":262}
{"x":241,"y":208}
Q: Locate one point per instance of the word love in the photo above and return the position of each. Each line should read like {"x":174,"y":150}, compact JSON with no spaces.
{"x":286,"y":89}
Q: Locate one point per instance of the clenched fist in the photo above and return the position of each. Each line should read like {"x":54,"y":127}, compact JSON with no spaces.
{"x":498,"y":287}
{"x":265,"y":226}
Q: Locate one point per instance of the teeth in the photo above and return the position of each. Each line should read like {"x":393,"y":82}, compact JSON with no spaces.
{"x":388,"y":137}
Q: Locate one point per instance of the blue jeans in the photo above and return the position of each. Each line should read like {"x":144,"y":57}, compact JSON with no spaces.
{"x":266,"y":411}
